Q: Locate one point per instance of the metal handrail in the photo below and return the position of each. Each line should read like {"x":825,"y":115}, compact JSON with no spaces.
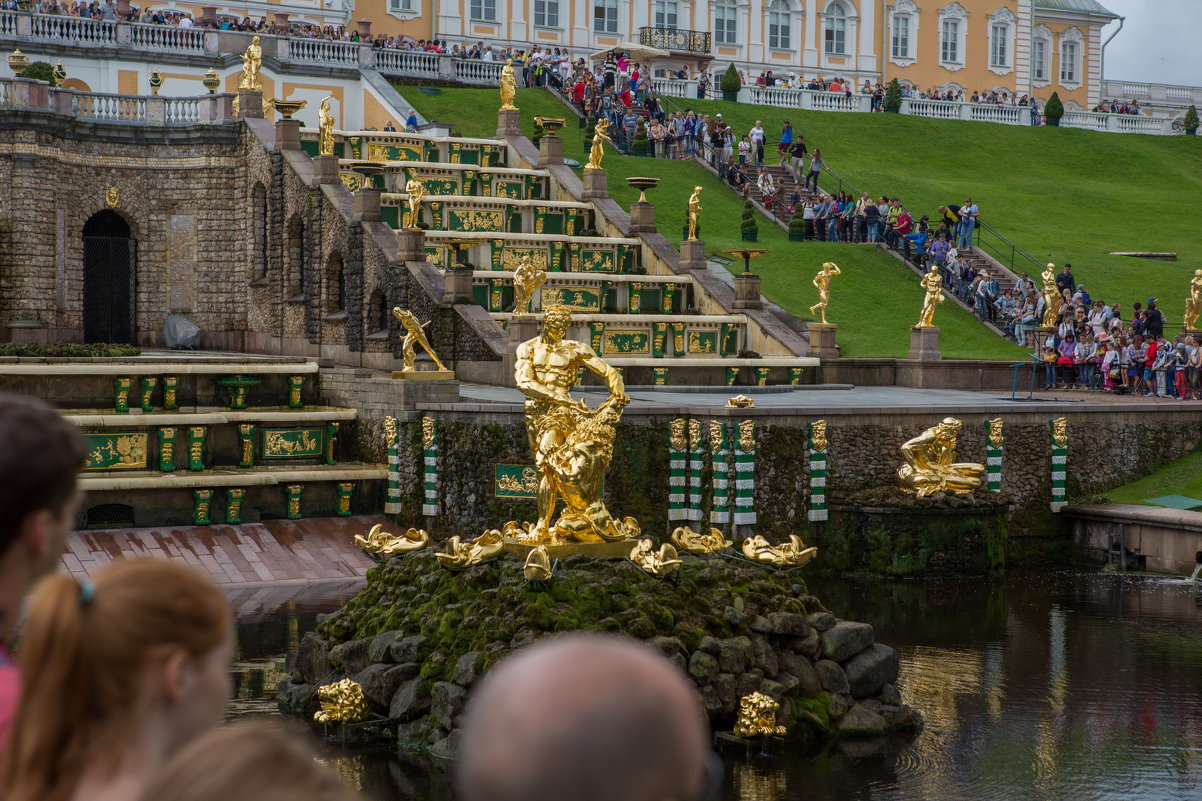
{"x":1005,"y":251}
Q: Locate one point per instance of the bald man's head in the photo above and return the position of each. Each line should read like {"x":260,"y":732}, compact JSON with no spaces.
{"x":584,"y":718}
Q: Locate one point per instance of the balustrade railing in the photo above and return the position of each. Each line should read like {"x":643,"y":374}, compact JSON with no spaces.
{"x":1084,"y":119}
{"x":406,"y":61}
{"x":676,"y":40}
{"x":323,"y":51}
{"x":8,"y":23}
{"x":182,"y":110}
{"x":167,"y":37}
{"x":73,"y":29}
{"x":471,"y":71}
{"x":674,"y":87}
{"x":109,"y":108}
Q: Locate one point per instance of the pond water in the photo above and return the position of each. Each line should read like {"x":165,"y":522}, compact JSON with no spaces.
{"x":1037,"y":686}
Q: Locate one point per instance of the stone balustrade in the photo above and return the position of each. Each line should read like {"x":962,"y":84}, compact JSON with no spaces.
{"x":21,"y":94}
{"x":1154,"y":93}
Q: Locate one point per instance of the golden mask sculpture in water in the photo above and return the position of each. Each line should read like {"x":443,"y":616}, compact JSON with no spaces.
{"x":341,"y":702}
{"x":252,"y":63}
{"x":414,"y":335}
{"x":325,"y":128}
{"x":930,"y":464}
{"x":656,"y":563}
{"x":380,"y":543}
{"x":1193,"y":304}
{"x":509,"y":85}
{"x":527,"y":279}
{"x":460,"y":553}
{"x":793,"y":553}
{"x":757,"y":717}
{"x":572,"y":443}
{"x":685,"y":539}
{"x":932,"y":282}
{"x":822,"y":281}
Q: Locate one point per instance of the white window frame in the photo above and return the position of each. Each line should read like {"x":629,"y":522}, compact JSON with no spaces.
{"x":905,"y":13}
{"x":402,"y":6}
{"x":662,"y":11}
{"x":779,"y":25}
{"x":835,"y":29}
{"x":546,"y":14}
{"x":726,"y":27}
{"x":1041,"y":37}
{"x":1076,"y":40}
{"x":482,"y":10}
{"x":1002,"y":24}
{"x":609,"y":23}
{"x":956,"y":14}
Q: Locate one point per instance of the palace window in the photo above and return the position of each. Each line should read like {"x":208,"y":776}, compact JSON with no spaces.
{"x":546,"y":13}
{"x":665,"y":14}
{"x":484,"y":10}
{"x":605,"y":16}
{"x":778,"y":25}
{"x":953,"y":32}
{"x":1041,"y":49}
{"x":999,"y":56}
{"x":1001,"y":40}
{"x":950,"y":41}
{"x":400,"y":6}
{"x":901,"y":36}
{"x":726,"y":26}
{"x":1070,"y":57}
{"x":835,"y":29}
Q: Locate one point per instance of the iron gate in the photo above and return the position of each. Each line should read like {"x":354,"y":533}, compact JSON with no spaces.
{"x":108,"y":289}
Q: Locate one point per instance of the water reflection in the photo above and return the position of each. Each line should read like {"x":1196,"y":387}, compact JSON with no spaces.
{"x":1047,"y":686}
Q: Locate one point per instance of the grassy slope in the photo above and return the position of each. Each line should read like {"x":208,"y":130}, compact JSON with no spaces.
{"x":874,"y":302}
{"x":1182,"y":477}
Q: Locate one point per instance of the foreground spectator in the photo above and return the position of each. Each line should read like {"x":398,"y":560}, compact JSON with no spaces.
{"x":585,"y":718}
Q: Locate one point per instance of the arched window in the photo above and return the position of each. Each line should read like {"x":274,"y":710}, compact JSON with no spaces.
{"x":1071,"y":42}
{"x":726,"y":26}
{"x":835,"y":29}
{"x":903,"y":32}
{"x":953,"y":33}
{"x":779,"y":37}
{"x":1001,"y":41}
{"x":1041,"y":55}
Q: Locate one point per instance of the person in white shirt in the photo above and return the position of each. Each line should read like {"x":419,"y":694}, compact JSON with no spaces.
{"x":757,"y":143}
{"x":185,"y":22}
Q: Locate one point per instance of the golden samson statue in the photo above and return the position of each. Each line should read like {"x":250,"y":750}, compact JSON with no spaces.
{"x":572,"y":443}
{"x":932,"y":282}
{"x":930,"y":464}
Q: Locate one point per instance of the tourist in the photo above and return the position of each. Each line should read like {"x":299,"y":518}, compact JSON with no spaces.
{"x":816,"y":167}
{"x":1066,"y":280}
{"x":797,"y":154}
{"x":744,"y":149}
{"x":1153,"y":320}
{"x":129,"y":669}
{"x":39,"y":504}
{"x":969,"y":213}
{"x":1151,"y":353}
{"x":250,"y":761}
{"x":786,"y":141}
{"x":585,"y":718}
{"x":756,"y":135}
{"x":1067,"y":359}
{"x":389,"y":127}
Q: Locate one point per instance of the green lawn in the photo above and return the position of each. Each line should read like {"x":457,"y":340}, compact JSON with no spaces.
{"x":874,"y":302}
{"x":1182,"y":477}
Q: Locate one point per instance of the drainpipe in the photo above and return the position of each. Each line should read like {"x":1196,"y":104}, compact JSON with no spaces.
{"x":885,"y":39}
{"x":1116,"y":33}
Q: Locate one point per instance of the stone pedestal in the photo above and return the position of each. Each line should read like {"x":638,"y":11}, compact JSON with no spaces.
{"x":692,"y":255}
{"x":822,"y":341}
{"x":287,"y":135}
{"x":282,"y":27}
{"x":550,"y":150}
{"x":522,"y":329}
{"x":642,"y":218}
{"x":208,"y":16}
{"x":250,"y":105}
{"x":747,"y":291}
{"x":326,"y":168}
{"x":596,"y":184}
{"x":457,"y":285}
{"x":412,"y":243}
{"x":924,"y":344}
{"x":367,"y":205}
{"x":364,"y":27}
{"x":123,"y":10}
{"x":509,"y":122}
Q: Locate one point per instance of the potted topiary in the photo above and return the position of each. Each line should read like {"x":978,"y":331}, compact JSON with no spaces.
{"x":1191,"y":121}
{"x":40,"y":71}
{"x":893,"y":97}
{"x":748,"y":228}
{"x":639,"y":144}
{"x":797,"y":227}
{"x":1053,"y":110}
{"x":730,"y":83}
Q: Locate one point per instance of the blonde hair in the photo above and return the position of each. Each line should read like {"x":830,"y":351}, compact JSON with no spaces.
{"x":83,"y":652}
{"x":253,"y":761}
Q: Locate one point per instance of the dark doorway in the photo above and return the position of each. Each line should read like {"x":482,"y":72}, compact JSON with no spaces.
{"x":108,"y":279}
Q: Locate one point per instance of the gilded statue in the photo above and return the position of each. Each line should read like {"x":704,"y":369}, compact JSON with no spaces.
{"x":600,"y":137}
{"x":1060,"y":431}
{"x":713,"y":543}
{"x":341,"y":702}
{"x":757,"y":717}
{"x":414,"y":335}
{"x":823,"y":282}
{"x":929,"y":463}
{"x":325,"y":128}
{"x":818,"y":435}
{"x":509,"y":86}
{"x":656,"y":563}
{"x":572,"y":443}
{"x":380,"y":543}
{"x":252,"y":63}
{"x":460,"y":553}
{"x":995,"y":432}
{"x":527,"y":279}
{"x":1193,"y":304}
{"x":538,"y":565}
{"x":694,"y":209}
{"x":1051,"y":297}
{"x":932,"y":283}
{"x":416,"y":190}
{"x":793,"y":553}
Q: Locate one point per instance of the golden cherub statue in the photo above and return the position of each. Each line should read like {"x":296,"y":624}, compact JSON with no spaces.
{"x":461,"y":553}
{"x":793,"y":553}
{"x":600,"y":137}
{"x":416,"y":190}
{"x":823,"y":282}
{"x":341,"y":702}
{"x":509,"y":86}
{"x":661,"y":563}
{"x":538,"y":564}
{"x":325,"y":128}
{"x":380,"y":543}
{"x":1052,"y":298}
{"x":685,"y":539}
{"x":414,"y":335}
{"x":1193,"y":304}
{"x":757,"y":717}
{"x":527,"y":278}
{"x":929,"y":465}
{"x":252,"y":63}
{"x":932,"y":282}
{"x":572,"y":443}
{"x":693,"y":211}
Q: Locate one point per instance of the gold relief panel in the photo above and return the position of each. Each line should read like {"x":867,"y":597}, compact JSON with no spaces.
{"x":292,"y":443}
{"x":596,"y":261}
{"x":110,"y":451}
{"x":437,"y":255}
{"x":475,"y":220}
{"x":512,"y":257}
{"x":627,"y":343}
{"x":384,"y":151}
{"x":585,"y":299}
{"x":351,"y":180}
{"x":509,"y":189}
{"x":703,"y":342}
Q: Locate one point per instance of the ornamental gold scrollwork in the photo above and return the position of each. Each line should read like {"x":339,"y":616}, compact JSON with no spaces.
{"x":694,"y":434}
{"x":717,"y":435}
{"x":929,"y":465}
{"x":818,"y":435}
{"x":528,"y":483}
{"x":342,"y":701}
{"x":527,"y":279}
{"x":389,"y":431}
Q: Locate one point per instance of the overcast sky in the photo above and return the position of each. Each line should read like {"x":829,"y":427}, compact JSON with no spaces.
{"x":1158,"y":43}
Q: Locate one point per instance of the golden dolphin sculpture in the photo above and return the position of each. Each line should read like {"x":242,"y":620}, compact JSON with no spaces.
{"x":380,"y":543}
{"x":793,"y":553}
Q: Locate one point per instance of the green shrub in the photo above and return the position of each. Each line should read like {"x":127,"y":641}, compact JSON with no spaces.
{"x":1191,"y":121}
{"x":640,"y":137}
{"x":68,"y":350}
{"x":40,"y":71}
{"x":1054,"y":109}
{"x":797,"y":226}
{"x":730,"y":80}
{"x":893,"y":96}
{"x":748,"y":226}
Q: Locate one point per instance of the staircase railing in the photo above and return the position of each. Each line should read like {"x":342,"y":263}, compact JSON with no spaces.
{"x":993,"y":242}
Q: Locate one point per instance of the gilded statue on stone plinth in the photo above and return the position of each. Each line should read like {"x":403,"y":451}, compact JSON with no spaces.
{"x":932,"y":282}
{"x":527,"y":279}
{"x":572,"y":443}
{"x":694,"y":210}
{"x":1051,"y":297}
{"x":823,"y":282}
{"x":415,"y":335}
{"x":1193,"y":304}
{"x":600,"y":137}
{"x":252,"y":63}
{"x":509,"y":85}
{"x":929,"y":463}
{"x":325,"y":128}
{"x":416,"y":190}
